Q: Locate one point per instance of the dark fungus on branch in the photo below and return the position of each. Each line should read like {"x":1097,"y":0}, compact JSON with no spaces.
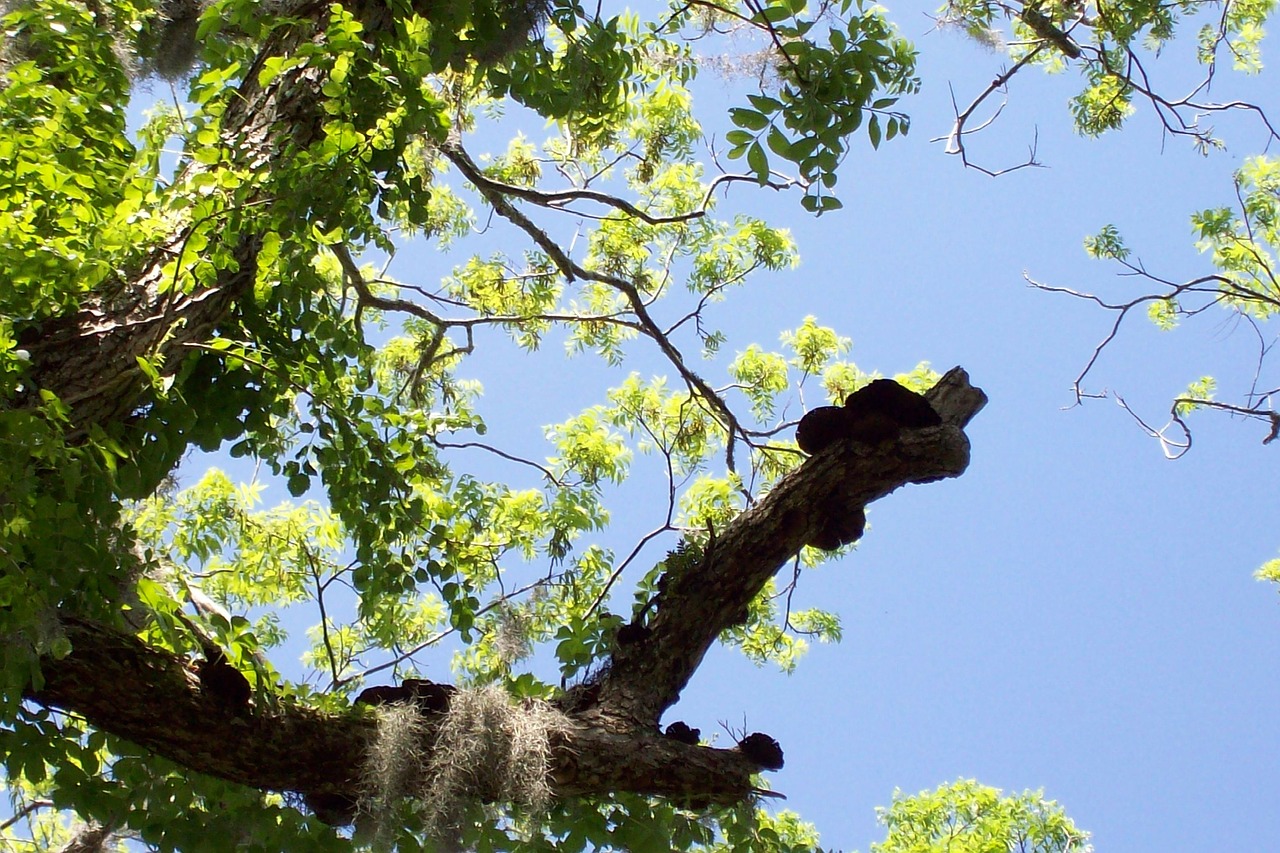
{"x":333,"y":809}
{"x":839,"y":528}
{"x":877,"y":412}
{"x":632,"y":632}
{"x":428,"y":696}
{"x":762,"y":750}
{"x":223,"y":682}
{"x":683,"y":732}
{"x":874,"y":413}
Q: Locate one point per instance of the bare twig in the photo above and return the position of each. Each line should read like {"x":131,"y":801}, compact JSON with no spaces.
{"x":22,"y":813}
{"x":334,"y":671}
{"x":546,"y":472}
{"x":1122,"y":309}
{"x":959,"y":130}
{"x":1172,"y":449}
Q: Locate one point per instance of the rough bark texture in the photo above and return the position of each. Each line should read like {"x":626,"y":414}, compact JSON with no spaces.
{"x":153,"y":698}
{"x":646,"y":677}
{"x":89,"y":358}
{"x":121,"y":685}
{"x":92,"y":838}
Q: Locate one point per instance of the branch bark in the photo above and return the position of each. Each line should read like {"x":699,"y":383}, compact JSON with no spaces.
{"x":153,"y":698}
{"x":695,"y":607}
{"x":89,"y":358}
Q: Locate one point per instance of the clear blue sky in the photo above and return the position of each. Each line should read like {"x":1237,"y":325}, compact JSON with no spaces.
{"x":1074,"y":613}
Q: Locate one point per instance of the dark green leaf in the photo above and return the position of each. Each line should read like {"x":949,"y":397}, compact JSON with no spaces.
{"x":764,"y":103}
{"x":298,"y":485}
{"x":750,"y":119}
{"x":758,"y":162}
{"x":779,"y":144}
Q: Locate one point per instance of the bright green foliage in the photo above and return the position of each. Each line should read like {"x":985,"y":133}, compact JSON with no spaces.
{"x":1243,"y":243}
{"x":761,"y":376}
{"x":1200,"y":390}
{"x":769,"y":636}
{"x":814,"y":345}
{"x":409,"y":540}
{"x":965,"y":817}
{"x":1243,"y":33}
{"x":1107,"y":243}
{"x":747,"y":829}
{"x":59,"y":201}
{"x":1103,"y":106}
{"x":1270,"y":571}
{"x":1164,"y":313}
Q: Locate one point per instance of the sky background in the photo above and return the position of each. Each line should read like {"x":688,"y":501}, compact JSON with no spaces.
{"x":1075,"y":613}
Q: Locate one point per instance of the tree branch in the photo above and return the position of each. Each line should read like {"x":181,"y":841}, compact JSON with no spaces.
{"x":696,"y":606}
{"x":123,"y":686}
{"x":151,"y":697}
{"x":572,"y":270}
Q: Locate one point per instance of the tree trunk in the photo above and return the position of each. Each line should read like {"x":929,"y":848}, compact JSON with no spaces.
{"x":89,"y":358}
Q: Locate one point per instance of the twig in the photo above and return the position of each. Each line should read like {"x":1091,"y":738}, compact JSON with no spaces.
{"x":23,"y":812}
{"x":955,"y":139}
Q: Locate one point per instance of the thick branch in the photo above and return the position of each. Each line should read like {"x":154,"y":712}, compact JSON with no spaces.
{"x":647,"y":676}
{"x":121,"y":685}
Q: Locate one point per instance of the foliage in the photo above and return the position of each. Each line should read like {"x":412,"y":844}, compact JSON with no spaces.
{"x":420,"y":529}
{"x":1240,"y":243}
{"x":1114,"y":45}
{"x":823,"y":93}
{"x":1119,"y":51}
{"x":965,"y":817}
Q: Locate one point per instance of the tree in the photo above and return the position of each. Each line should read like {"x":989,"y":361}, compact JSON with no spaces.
{"x":966,"y":816}
{"x":219,"y":301}
{"x":230,"y":298}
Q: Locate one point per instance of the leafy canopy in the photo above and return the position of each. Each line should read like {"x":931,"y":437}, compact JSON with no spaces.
{"x":350,"y":379}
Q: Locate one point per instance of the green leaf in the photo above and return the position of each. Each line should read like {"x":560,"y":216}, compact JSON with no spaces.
{"x":750,"y":119}
{"x":779,"y":144}
{"x":775,"y":13}
{"x":765,"y":104}
{"x":758,"y":162}
{"x":298,"y":485}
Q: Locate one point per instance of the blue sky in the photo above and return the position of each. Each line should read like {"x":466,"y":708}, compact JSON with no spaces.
{"x":1074,"y":613}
